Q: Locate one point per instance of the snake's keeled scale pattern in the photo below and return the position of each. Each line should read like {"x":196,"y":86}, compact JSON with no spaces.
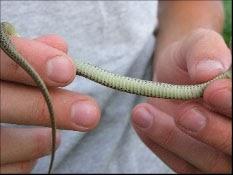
{"x":142,"y":87}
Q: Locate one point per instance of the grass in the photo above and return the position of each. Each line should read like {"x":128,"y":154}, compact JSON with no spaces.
{"x":227,"y":32}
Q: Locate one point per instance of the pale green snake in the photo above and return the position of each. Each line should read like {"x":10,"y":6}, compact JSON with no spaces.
{"x":118,"y":82}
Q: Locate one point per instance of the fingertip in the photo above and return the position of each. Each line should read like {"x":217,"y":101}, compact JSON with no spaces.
{"x":85,"y":114}
{"x":61,"y":69}
{"x":137,"y":109}
{"x":206,"y":54}
{"x":215,"y":86}
{"x":142,"y":118}
{"x":219,"y":96}
{"x":55,"y":67}
{"x":205,"y":70}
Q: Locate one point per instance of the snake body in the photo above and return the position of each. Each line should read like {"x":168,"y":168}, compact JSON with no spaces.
{"x":143,"y":87}
{"x":118,"y":82}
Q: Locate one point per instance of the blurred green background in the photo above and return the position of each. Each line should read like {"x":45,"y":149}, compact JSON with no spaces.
{"x":227,"y":33}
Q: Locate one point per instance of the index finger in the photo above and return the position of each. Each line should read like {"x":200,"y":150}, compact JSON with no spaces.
{"x":55,"y":67}
{"x":219,"y":96}
{"x":192,"y":118}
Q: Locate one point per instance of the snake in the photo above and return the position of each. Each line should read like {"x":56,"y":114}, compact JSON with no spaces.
{"x":115,"y":81}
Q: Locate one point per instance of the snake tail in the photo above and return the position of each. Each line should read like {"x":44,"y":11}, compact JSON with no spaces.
{"x":7,"y":30}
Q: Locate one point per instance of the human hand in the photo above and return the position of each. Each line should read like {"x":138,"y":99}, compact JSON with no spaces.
{"x":23,"y":104}
{"x":191,"y":136}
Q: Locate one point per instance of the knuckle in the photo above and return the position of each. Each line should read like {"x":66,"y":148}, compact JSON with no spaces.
{"x":14,"y":67}
{"x":41,"y":111}
{"x":186,"y":168}
{"x":226,"y":144}
{"x":217,"y":163}
{"x":209,"y":38}
{"x":60,"y":42}
{"x":86,"y":98}
{"x":10,"y":69}
{"x":55,"y":41}
{"x":200,"y":40}
{"x":168,"y":136}
{"x":184,"y":107}
{"x":202,"y":33}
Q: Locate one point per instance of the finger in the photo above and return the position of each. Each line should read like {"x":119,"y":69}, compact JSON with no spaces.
{"x":206,"y":55}
{"x":25,"y":144}
{"x":161,"y":128}
{"x":173,"y":161}
{"x":200,"y":123}
{"x":206,"y":126}
{"x":219,"y":96}
{"x":54,"y":41}
{"x":18,"y":168}
{"x":25,"y":105}
{"x":199,"y":57}
{"x":54,"y":66}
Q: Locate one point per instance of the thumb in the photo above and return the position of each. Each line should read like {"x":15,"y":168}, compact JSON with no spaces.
{"x":206,"y":55}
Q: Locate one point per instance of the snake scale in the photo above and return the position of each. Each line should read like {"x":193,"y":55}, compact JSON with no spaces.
{"x":118,"y":82}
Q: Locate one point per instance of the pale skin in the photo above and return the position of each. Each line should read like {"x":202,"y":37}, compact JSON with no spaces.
{"x":164,"y":136}
{"x":20,"y":148}
{"x":190,"y":136}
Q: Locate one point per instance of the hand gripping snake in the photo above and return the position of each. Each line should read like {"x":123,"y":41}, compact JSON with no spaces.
{"x":114,"y":81}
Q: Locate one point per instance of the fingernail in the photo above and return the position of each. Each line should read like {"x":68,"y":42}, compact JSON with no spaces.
{"x":83,"y":113}
{"x":192,"y":120}
{"x":59,"y":69}
{"x":206,"y":66}
{"x":142,"y":118}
